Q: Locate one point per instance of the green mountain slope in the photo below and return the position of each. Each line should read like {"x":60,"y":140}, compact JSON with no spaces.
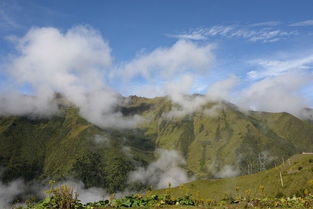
{"x":297,"y":176}
{"x":229,"y":140}
{"x":45,"y":148}
{"x":229,"y":137}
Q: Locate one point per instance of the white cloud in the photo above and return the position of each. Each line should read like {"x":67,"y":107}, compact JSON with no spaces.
{"x":166,"y":63}
{"x":164,"y":70}
{"x":269,"y":35}
{"x":276,"y":94}
{"x":13,"y":103}
{"x":218,"y":30}
{"x":85,"y":195}
{"x":77,"y":62}
{"x":279,"y":92}
{"x":264,"y":34}
{"x":302,"y":23}
{"x":280,"y":86}
{"x":218,"y":91}
{"x":7,"y":20}
{"x":9,"y":191}
{"x":227,"y":171}
{"x":191,"y":36}
{"x":166,"y":169}
{"x":74,"y":64}
{"x":267,"y":23}
{"x":104,"y":140}
{"x":278,"y":67}
{"x":221,"y":90}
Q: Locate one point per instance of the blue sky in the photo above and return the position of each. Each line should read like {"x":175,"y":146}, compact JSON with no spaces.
{"x":130,"y":26}
{"x":258,"y":42}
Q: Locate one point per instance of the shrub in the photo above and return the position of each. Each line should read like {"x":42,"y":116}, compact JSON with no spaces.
{"x":228,"y":198}
{"x":279,"y":195}
{"x":62,"y":197}
{"x":300,"y":193}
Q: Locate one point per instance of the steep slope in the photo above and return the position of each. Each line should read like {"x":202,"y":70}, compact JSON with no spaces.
{"x":55,"y":147}
{"x":296,"y":172}
{"x":216,"y":142}
{"x":228,"y":138}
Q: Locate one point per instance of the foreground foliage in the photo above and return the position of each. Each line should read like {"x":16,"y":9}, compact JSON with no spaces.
{"x":252,"y":191}
{"x":63,"y":197}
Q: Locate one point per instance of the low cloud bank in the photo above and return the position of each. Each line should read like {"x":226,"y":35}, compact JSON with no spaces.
{"x":282,"y":93}
{"x":227,"y":171}
{"x":18,"y":188}
{"x":162,"y":172}
{"x":277,"y":94}
{"x":217,"y":93}
{"x":85,"y":195}
{"x":167,"y":169}
{"x":9,"y":191}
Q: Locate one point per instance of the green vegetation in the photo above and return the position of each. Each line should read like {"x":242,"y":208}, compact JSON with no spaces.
{"x":60,"y":146}
{"x":297,"y":175}
{"x":110,"y":174}
{"x":64,"y":198}
{"x":260,"y":190}
{"x":184,"y":203}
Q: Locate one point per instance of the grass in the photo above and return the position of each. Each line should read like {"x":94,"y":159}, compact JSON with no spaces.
{"x":64,"y":198}
{"x":260,"y":190}
{"x":296,"y":178}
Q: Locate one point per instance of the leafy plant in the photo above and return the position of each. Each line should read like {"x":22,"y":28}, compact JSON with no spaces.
{"x":62,"y":197}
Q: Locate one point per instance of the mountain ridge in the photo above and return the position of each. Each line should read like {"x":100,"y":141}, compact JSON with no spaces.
{"x":225,"y":139}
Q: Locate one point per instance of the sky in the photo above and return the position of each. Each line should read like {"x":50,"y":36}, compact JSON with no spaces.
{"x":256,"y":54}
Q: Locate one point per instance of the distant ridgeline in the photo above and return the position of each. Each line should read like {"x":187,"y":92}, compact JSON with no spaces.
{"x":220,"y":143}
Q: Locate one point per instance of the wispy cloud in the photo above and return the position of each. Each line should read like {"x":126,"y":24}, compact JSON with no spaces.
{"x":302,"y":23}
{"x":270,"y":68}
{"x":263,"y":34}
{"x":196,"y":36}
{"x":6,"y":19}
{"x":267,"y":23}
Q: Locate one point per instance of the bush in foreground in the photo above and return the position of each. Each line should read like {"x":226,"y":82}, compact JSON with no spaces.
{"x":64,"y":197}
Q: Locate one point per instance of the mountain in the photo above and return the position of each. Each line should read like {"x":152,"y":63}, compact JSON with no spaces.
{"x":293,"y":177}
{"x":289,"y":185}
{"x":217,"y":140}
{"x":209,"y":142}
{"x":69,"y":146}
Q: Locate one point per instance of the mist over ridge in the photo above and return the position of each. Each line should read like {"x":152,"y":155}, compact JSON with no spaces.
{"x":78,"y":64}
